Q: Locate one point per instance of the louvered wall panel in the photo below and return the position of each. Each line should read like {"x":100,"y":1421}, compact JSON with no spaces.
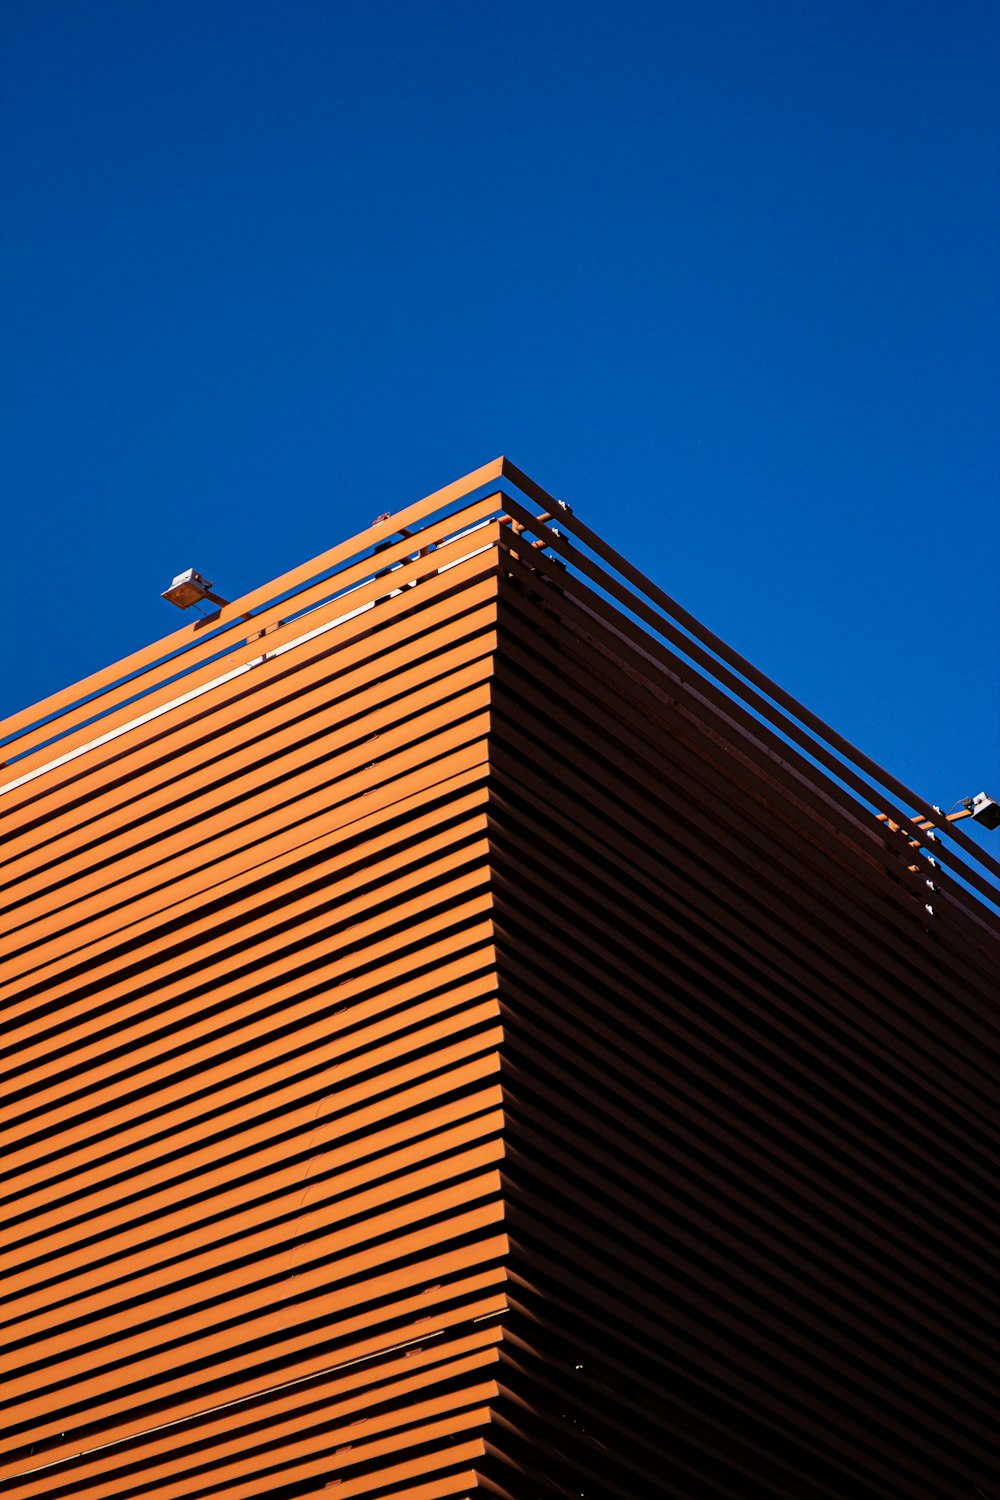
{"x":252,"y":1119}
{"x":749,"y":1100}
{"x":467,"y":1030}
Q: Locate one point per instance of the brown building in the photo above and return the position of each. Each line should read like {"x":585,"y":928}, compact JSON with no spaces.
{"x":466,"y":1031}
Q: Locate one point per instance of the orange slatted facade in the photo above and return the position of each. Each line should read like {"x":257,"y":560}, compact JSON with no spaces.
{"x":467,"y":1032}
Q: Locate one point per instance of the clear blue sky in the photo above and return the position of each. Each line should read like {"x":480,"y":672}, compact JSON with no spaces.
{"x":722,"y":274}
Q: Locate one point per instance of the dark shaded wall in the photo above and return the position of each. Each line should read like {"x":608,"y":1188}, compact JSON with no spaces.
{"x":749,"y":1092}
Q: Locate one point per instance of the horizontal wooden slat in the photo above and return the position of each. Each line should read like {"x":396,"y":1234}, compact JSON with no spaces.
{"x":159,"y":657}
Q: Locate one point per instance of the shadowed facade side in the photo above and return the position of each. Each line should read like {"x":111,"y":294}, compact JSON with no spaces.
{"x":456,"y":1044}
{"x":747,"y":1160}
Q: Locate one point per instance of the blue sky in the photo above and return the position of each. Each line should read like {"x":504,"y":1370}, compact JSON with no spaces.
{"x":723,"y":275}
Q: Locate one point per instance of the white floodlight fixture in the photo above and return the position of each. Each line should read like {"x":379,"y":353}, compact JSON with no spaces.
{"x":190,"y":588}
{"x":984,"y":810}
